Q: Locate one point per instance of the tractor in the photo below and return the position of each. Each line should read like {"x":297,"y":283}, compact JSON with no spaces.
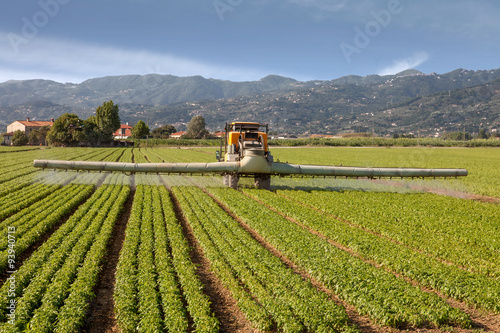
{"x":244,"y":152}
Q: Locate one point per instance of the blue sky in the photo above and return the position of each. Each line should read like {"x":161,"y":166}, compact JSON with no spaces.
{"x":241,"y":40}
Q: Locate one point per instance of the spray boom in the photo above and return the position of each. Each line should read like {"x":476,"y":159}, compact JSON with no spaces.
{"x":246,"y":153}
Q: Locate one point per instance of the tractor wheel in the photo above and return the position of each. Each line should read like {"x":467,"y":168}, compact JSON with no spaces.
{"x":263,"y":182}
{"x":233,"y":181}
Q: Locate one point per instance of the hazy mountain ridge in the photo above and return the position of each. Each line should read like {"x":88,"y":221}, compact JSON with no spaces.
{"x":287,"y":104}
{"x":151,"y":89}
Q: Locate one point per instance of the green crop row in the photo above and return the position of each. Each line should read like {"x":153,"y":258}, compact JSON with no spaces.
{"x":15,"y":201}
{"x":151,"y":155}
{"x":49,"y":289}
{"x":30,"y":225}
{"x":139,"y":156}
{"x":180,"y":155}
{"x":125,"y":294}
{"x":78,"y":274}
{"x":150,"y":317}
{"x":198,"y":303}
{"x":9,"y":169}
{"x":31,"y":191}
{"x":175,"y":319}
{"x":149,"y":275}
{"x":115,"y":155}
{"x":5,"y":149}
{"x":26,"y":218}
{"x":71,"y":315}
{"x":73,"y":253}
{"x":61,"y":242}
{"x":478,"y":290}
{"x":254,"y":312}
{"x":463,"y":232}
{"x":373,"y":291}
{"x":17,"y":183}
{"x":17,"y":172}
{"x":127,"y":156}
{"x":291,"y":302}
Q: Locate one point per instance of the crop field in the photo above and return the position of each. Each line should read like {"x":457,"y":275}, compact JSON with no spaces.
{"x":112,"y":252}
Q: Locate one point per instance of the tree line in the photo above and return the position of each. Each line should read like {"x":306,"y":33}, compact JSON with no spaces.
{"x":69,"y":130}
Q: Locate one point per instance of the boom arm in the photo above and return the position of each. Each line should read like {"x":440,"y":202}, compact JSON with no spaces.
{"x":250,"y":165}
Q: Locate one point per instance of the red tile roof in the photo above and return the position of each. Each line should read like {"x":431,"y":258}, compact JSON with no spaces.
{"x":31,"y":123}
{"x":177,"y":134}
{"x":127,"y":128}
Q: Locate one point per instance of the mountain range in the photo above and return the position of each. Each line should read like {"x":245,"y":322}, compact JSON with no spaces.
{"x":406,"y":102}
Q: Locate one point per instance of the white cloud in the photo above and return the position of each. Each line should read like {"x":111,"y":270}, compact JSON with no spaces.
{"x":400,"y":65}
{"x":70,"y":61}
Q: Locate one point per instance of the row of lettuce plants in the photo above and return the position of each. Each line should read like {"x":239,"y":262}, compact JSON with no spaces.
{"x":375,"y":292}
{"x":198,"y":303}
{"x":30,"y":224}
{"x":16,"y":200}
{"x":267,"y":291}
{"x":476,"y":289}
{"x":71,"y":315}
{"x":175,"y":318}
{"x":16,"y":184}
{"x":139,"y":156}
{"x":460,"y":231}
{"x":53,"y":287}
{"x":156,"y":283}
{"x":127,"y":156}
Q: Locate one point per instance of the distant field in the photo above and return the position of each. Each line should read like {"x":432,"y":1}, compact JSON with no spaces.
{"x":114,"y":252}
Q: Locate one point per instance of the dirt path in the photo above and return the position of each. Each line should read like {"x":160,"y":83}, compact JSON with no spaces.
{"x":101,"y":316}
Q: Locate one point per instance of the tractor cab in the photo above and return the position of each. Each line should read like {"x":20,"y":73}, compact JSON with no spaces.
{"x":245,"y":139}
{"x":247,"y":142}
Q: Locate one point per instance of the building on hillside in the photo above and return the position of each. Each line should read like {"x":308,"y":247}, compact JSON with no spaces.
{"x":124,"y":132}
{"x":219,"y":134}
{"x":177,"y":135}
{"x":26,"y":126}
